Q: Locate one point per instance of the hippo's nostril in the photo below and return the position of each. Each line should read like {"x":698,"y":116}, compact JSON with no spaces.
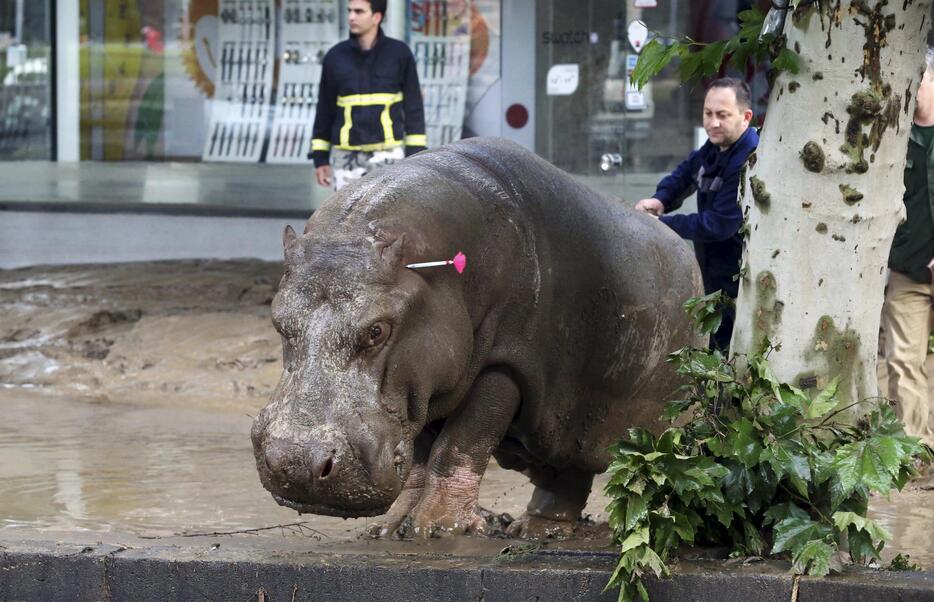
{"x":326,"y":469}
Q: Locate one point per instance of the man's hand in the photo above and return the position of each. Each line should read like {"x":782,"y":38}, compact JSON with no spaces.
{"x":651,"y":206}
{"x":323,"y":174}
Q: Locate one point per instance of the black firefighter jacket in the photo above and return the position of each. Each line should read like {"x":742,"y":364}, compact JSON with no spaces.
{"x":368,"y":100}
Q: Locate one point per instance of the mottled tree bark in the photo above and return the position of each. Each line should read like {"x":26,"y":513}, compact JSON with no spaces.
{"x":823,"y":194}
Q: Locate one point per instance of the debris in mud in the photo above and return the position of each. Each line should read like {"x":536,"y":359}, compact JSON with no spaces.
{"x":20,"y":335}
{"x":518,"y":551}
{"x":103,"y":320}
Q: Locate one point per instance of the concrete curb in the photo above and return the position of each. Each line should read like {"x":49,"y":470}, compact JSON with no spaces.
{"x":52,"y":571}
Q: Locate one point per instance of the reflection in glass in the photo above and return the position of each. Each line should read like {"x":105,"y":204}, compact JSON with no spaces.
{"x":25,"y":91}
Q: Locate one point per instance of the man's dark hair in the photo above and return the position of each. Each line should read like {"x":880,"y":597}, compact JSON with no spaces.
{"x":378,"y":6}
{"x":739,"y":87}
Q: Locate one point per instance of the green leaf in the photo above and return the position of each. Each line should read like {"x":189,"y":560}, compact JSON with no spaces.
{"x":637,"y":486}
{"x":753,"y":540}
{"x":787,"y":60}
{"x":684,"y":528}
{"x":643,"y":593}
{"x":655,"y":56}
{"x":793,"y":397}
{"x":636,"y":538}
{"x":787,"y":463}
{"x":705,"y":62}
{"x":795,"y":531}
{"x":707,"y":312}
{"x":825,"y":401}
{"x":861,"y":546}
{"x":751,"y":21}
{"x":814,"y":558}
{"x":889,"y":451}
{"x":674,"y":409}
{"x":636,"y":511}
{"x":652,"y":560}
{"x":744,"y":442}
{"x":738,"y":483}
{"x":842,"y":520}
{"x":664,"y":536}
{"x":846,"y":472}
{"x":724,"y":512}
{"x":669,"y":440}
{"x":780,"y":512}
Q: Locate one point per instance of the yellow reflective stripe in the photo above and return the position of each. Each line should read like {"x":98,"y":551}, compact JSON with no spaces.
{"x":386,"y":120}
{"x":370,"y":147}
{"x":362,"y":100}
{"x":317,"y":144}
{"x":416,"y":140}
{"x":345,"y":129}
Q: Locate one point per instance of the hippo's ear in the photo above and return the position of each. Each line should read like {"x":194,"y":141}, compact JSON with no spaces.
{"x":293,"y":253}
{"x":288,"y":236}
{"x":390,"y":253}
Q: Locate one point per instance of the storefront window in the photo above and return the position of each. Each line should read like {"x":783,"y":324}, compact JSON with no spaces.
{"x":147,"y":72}
{"x":590,"y":121}
{"x":25,"y":84}
{"x":237,"y":80}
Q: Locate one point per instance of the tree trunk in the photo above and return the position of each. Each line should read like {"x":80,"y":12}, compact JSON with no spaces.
{"x":823,"y":193}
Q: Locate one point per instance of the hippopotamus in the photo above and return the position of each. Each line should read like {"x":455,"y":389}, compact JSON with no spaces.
{"x":399,"y":384}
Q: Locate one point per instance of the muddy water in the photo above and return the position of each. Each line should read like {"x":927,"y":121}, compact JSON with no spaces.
{"x":71,"y":465}
{"x":153,"y":471}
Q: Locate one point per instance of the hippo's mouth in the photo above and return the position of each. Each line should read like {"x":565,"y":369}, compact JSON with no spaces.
{"x":325,"y":510}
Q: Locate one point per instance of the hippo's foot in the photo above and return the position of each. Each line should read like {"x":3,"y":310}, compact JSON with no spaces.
{"x":447,"y":505}
{"x":530,"y":526}
{"x":555,"y":508}
{"x":396,"y":523}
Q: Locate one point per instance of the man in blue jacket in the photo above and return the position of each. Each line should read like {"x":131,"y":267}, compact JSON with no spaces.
{"x":713,"y":172}
{"x":370,"y":102}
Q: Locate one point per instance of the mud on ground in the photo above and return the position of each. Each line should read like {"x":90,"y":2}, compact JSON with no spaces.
{"x":166,"y":333}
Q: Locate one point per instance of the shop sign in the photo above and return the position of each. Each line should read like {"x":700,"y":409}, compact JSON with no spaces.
{"x":563,"y":79}
{"x":569,"y":37}
{"x":638,"y":33}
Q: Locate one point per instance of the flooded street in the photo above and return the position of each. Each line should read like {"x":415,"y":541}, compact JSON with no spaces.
{"x":74,"y":465}
{"x":127,"y":392}
{"x":153,"y":471}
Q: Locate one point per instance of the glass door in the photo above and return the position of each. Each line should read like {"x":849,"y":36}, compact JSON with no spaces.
{"x":25,"y":80}
{"x":590,"y":121}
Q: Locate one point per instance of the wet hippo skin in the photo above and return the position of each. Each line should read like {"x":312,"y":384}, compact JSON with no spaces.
{"x":399,"y":384}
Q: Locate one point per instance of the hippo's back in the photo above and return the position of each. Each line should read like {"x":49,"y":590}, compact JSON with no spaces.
{"x":604,"y":312}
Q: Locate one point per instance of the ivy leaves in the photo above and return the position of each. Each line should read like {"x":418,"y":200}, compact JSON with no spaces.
{"x":698,"y":60}
{"x":758,"y":466}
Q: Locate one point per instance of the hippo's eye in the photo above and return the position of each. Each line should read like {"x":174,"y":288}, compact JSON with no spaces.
{"x":377,"y":334}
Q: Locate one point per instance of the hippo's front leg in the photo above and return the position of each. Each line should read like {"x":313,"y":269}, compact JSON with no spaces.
{"x":411,"y":492}
{"x":460,"y":455}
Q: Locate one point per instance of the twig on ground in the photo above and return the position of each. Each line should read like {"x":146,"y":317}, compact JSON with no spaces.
{"x":300,"y":527}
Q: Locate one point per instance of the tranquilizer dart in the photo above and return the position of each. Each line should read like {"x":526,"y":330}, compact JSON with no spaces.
{"x":459,"y":262}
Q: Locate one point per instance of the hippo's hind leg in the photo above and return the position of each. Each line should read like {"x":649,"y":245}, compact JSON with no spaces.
{"x":556,"y":504}
{"x":460,"y":454}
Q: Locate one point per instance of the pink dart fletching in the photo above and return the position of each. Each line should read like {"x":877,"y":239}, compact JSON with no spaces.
{"x":460,"y":262}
